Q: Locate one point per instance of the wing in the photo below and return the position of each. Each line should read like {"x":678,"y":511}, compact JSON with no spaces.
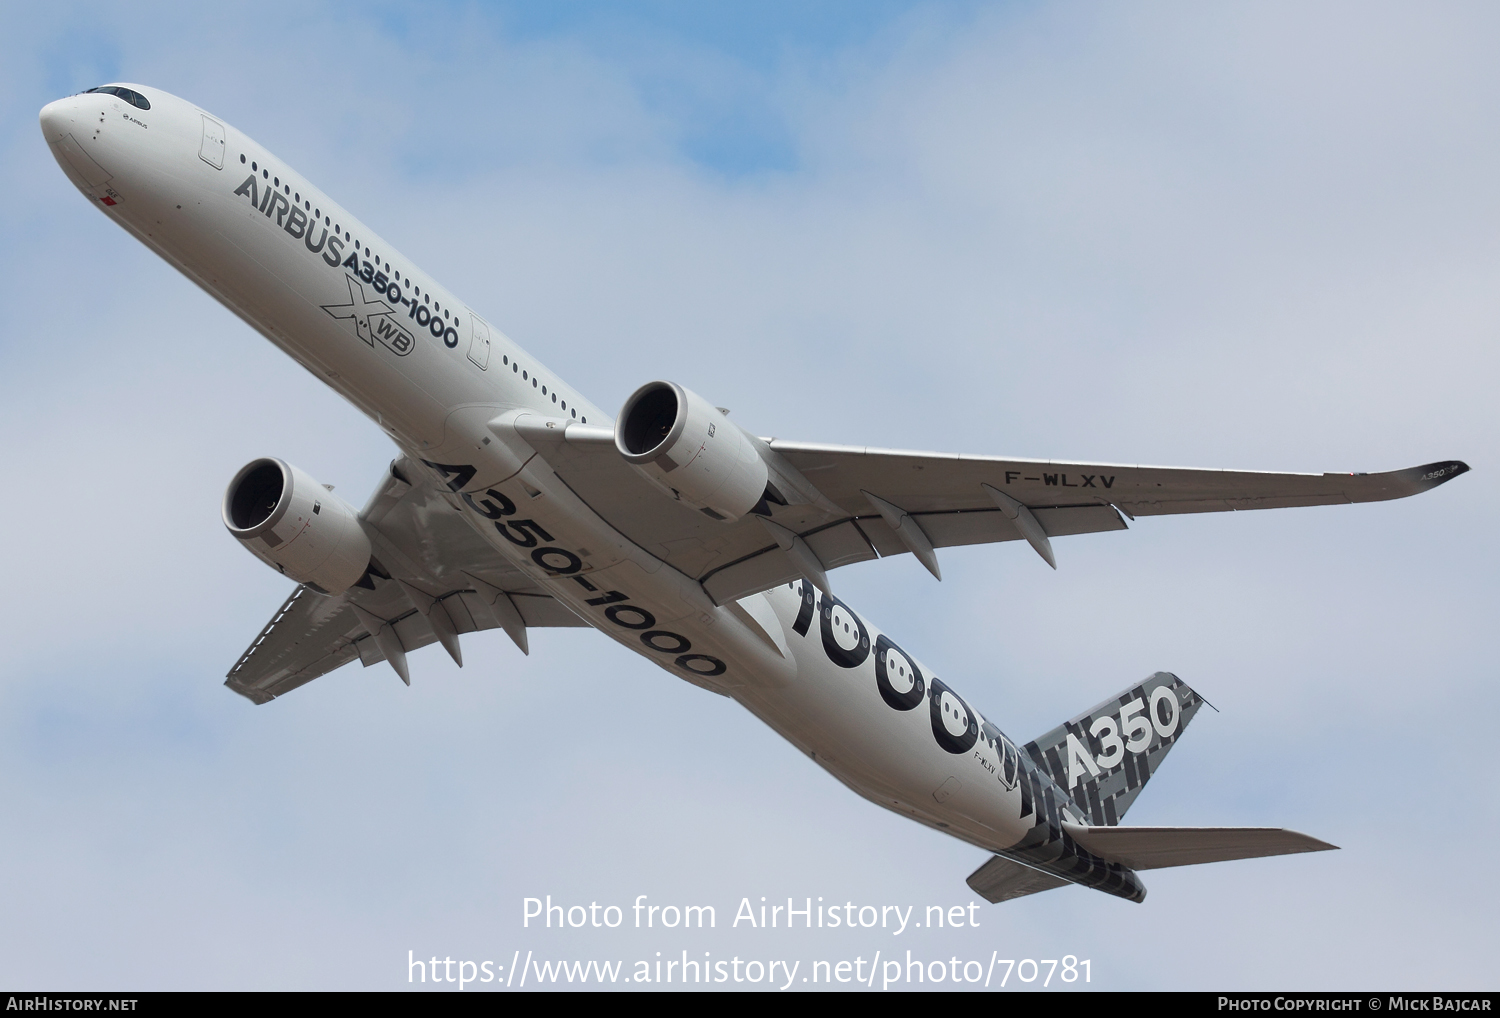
{"x":861,"y":503}
{"x":432,"y":578}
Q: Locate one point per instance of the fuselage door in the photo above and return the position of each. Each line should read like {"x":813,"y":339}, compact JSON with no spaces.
{"x":212,"y":151}
{"x":1008,"y":762}
{"x":479,"y":346}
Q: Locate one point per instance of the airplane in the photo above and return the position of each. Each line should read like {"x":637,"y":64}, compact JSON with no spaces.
{"x":516,"y":503}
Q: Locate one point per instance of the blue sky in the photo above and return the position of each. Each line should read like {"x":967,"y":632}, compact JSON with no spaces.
{"x":1260,"y":237}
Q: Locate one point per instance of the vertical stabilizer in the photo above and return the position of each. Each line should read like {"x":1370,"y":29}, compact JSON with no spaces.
{"x":1104,"y":756}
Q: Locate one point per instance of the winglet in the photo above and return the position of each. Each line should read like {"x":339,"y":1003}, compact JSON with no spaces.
{"x":1415,"y":480}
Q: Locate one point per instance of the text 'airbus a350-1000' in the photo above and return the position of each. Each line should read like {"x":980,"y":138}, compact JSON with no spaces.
{"x":515,"y":502}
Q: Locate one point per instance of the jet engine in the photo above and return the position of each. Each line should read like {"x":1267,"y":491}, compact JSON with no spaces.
{"x":686,"y":446}
{"x":296,"y":525}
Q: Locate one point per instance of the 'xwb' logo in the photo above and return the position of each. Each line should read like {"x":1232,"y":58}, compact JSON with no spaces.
{"x":373,"y":320}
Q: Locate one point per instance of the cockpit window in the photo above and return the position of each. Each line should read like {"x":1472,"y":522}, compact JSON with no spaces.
{"x":133,"y":98}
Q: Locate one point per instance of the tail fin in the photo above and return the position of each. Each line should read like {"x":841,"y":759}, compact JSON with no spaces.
{"x":1105,"y":756}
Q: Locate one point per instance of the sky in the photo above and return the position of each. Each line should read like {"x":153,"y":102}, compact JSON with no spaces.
{"x":1254,"y":236}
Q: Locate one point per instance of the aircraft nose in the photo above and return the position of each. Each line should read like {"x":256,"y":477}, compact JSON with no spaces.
{"x":59,"y":117}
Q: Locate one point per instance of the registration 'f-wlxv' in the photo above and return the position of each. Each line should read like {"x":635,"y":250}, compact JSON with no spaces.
{"x":515,"y":503}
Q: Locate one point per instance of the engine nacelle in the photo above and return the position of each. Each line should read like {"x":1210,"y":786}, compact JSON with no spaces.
{"x":294,"y":524}
{"x":686,"y":446}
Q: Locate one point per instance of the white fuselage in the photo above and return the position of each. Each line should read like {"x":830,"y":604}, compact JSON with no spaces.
{"x":434,"y":375}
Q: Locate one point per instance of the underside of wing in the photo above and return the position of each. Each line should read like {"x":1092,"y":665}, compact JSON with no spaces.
{"x":880,"y":502}
{"x":427,"y":560}
{"x":926,"y":482}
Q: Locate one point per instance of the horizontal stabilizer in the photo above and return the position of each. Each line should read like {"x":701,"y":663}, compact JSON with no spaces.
{"x":1150,"y":848}
{"x":1000,"y":879}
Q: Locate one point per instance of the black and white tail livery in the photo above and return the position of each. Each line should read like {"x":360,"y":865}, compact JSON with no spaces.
{"x":1104,"y":756}
{"x":1085,"y":774}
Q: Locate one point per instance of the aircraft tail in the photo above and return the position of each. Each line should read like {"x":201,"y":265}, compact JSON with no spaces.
{"x":1104,"y":756}
{"x":1102,"y":759}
